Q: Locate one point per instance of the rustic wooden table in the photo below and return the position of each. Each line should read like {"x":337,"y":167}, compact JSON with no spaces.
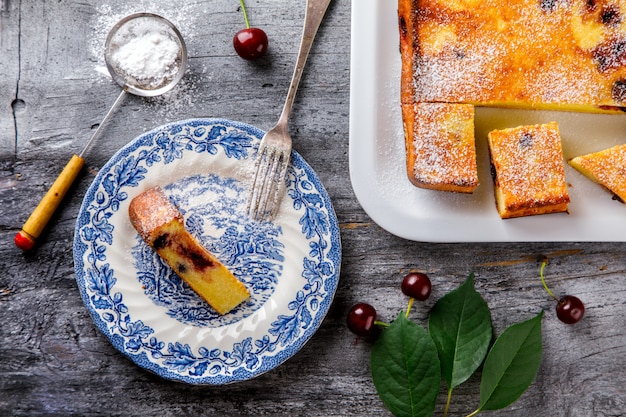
{"x":53,"y":360}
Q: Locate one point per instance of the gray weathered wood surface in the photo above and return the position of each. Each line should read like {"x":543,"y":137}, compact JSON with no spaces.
{"x":53,"y":361}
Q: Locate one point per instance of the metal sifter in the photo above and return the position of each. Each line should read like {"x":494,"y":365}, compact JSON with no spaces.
{"x":147,"y":56}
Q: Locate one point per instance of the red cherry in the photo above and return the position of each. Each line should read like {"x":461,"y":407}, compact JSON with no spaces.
{"x":570,"y":309}
{"x":416,"y":285}
{"x":361,"y":318}
{"x":250,"y":43}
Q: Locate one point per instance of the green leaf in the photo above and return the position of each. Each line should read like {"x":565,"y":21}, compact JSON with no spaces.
{"x":460,"y":325}
{"x":405,"y":369}
{"x":511,"y":365}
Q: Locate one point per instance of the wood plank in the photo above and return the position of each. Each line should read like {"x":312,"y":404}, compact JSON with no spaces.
{"x":9,"y":76}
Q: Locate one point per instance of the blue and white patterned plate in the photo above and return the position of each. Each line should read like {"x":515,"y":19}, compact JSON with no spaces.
{"x":290,"y":266}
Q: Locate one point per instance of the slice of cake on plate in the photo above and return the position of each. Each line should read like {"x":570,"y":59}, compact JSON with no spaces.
{"x":528,"y":170}
{"x":606,"y":167}
{"x":161,"y":225}
{"x":440,"y":147}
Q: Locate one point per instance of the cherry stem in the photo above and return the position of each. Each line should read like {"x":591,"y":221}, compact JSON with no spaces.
{"x":474,"y":413}
{"x":543,"y":280}
{"x":380,"y":323}
{"x":245,"y":14}
{"x":408,"y":309}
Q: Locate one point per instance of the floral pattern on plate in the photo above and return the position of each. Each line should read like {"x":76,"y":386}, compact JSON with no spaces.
{"x":290,"y":266}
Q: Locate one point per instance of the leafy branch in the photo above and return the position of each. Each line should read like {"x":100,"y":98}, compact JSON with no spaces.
{"x":408,"y":362}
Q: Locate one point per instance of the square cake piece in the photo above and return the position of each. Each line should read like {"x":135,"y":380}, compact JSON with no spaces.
{"x":539,"y":54}
{"x":606,"y":167}
{"x":440,"y":146}
{"x":528,"y":170}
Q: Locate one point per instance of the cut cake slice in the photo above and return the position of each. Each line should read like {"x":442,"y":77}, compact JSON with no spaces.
{"x":528,"y":170}
{"x":161,"y":226}
{"x":440,"y":146}
{"x":606,"y":167}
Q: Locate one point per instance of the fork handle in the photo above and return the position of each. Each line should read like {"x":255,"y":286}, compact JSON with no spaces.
{"x":315,"y":10}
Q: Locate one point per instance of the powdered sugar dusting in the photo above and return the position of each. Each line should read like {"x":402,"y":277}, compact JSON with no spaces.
{"x":528,"y":164}
{"x":443,"y":144}
{"x":453,"y":80}
{"x":184,"y":16}
{"x":150,"y":210}
{"x":607,"y":167}
{"x":146,"y":53}
{"x":522,"y":53}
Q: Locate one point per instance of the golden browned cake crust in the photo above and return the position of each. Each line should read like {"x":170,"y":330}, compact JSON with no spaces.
{"x":440,"y":147}
{"x":606,"y":167}
{"x":554,"y":54}
{"x":161,"y":226}
{"x":150,"y":210}
{"x":528,"y":169}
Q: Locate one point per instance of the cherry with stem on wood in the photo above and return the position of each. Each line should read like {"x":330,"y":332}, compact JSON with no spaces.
{"x":569,"y":309}
{"x":362,"y":321}
{"x":250,"y":43}
{"x":417,"y":286}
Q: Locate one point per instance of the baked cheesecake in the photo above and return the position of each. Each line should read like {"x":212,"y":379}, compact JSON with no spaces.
{"x":528,"y":170}
{"x":161,"y":225}
{"x":536,"y":54}
{"x":606,"y":167}
{"x":440,"y":146}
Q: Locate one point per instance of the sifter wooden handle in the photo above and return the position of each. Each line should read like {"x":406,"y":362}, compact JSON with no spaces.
{"x":25,"y":239}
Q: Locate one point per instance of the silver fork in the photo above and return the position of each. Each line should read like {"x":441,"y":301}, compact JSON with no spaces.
{"x":275,"y":148}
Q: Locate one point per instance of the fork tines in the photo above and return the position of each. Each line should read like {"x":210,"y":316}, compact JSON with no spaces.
{"x":269,"y":182}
